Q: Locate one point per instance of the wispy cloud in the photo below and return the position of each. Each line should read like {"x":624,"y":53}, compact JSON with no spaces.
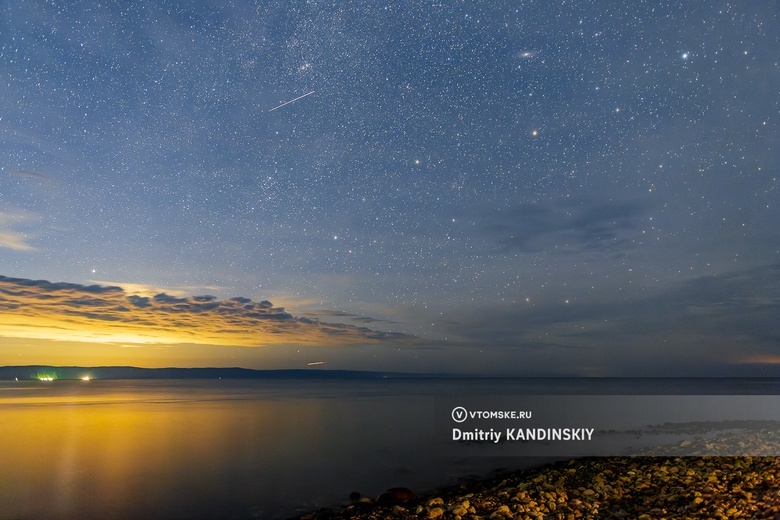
{"x":142,"y":289}
{"x":28,"y":174}
{"x":110,"y":314}
{"x":582,"y":226}
{"x":327,"y":313}
{"x":10,"y":237}
{"x":698,"y":326}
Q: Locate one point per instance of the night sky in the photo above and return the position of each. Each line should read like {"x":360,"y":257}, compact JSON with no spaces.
{"x":531,"y":188}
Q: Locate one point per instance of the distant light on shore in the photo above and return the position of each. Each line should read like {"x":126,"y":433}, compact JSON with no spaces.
{"x":85,"y":378}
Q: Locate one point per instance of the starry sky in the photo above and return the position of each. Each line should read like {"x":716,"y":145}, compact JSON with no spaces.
{"x":513,"y":188}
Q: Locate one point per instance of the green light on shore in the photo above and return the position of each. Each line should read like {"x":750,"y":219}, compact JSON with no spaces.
{"x":46,"y":377}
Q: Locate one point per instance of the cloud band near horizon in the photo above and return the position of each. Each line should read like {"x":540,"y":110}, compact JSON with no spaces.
{"x":43,"y":310}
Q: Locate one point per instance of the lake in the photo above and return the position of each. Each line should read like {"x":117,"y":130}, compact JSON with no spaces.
{"x":250,"y":449}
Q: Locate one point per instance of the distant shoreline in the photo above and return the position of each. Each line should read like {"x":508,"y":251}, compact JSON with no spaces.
{"x":43,"y":372}
{"x":38,"y":372}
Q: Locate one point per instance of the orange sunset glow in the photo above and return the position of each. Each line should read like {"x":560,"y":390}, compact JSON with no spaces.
{"x":101,"y":324}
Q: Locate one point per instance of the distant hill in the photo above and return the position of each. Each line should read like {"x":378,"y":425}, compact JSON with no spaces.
{"x":40,"y":371}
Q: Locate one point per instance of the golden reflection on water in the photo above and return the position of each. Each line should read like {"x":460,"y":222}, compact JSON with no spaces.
{"x":72,"y":453}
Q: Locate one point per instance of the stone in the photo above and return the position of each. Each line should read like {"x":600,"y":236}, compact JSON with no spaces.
{"x":502,"y":512}
{"x":460,"y":511}
{"x":396,"y":495}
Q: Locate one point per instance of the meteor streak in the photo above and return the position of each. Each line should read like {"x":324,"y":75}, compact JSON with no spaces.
{"x":291,"y":101}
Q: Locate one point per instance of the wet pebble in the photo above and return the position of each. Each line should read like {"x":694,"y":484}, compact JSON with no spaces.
{"x":645,"y":487}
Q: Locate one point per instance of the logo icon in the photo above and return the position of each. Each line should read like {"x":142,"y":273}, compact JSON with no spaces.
{"x":459,"y":414}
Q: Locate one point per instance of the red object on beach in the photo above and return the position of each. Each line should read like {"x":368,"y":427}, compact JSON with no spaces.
{"x":396,"y":495}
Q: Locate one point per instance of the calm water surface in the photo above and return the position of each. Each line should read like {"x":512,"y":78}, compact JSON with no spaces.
{"x":244,"y":449}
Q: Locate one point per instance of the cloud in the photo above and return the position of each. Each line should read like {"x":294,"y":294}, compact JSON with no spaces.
{"x":567,"y":226}
{"x":142,"y":289}
{"x":11,"y":238}
{"x":14,"y":240}
{"x":108,"y":314}
{"x":691,"y":327}
{"x":316,"y":314}
{"x":33,"y":175}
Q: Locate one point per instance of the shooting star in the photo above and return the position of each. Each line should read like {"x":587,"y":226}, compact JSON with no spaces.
{"x":292,"y":101}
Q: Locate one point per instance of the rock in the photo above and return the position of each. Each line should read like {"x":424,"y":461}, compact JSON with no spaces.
{"x":502,"y":512}
{"x":354,"y":496}
{"x":460,"y":511}
{"x":396,"y":495}
{"x":617,"y":488}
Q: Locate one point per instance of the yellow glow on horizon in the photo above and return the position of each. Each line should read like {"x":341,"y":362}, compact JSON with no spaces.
{"x":61,"y":323}
{"x":209,"y":330}
{"x":56,"y":328}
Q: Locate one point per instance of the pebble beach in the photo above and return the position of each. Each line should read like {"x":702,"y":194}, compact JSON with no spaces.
{"x":692,"y":485}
